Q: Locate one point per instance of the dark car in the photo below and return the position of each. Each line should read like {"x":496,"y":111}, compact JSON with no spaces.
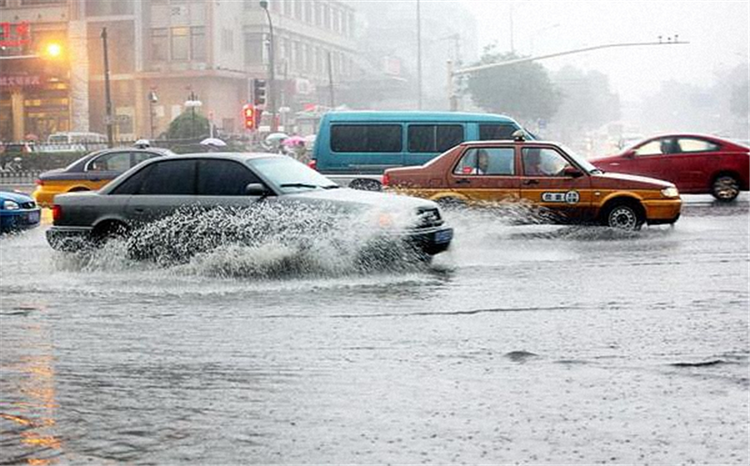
{"x":92,"y":171}
{"x":18,"y":211}
{"x":162,"y":187}
{"x":696,"y":164}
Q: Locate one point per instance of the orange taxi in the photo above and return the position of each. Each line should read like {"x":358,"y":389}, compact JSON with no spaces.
{"x":541,"y":174}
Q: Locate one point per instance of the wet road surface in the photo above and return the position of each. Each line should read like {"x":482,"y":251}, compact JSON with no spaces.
{"x":522,"y":344}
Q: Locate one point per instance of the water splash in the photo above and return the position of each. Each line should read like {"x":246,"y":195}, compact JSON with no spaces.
{"x":266,"y":241}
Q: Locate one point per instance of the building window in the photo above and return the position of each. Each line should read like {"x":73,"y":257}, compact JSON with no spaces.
{"x":198,"y":43}
{"x":37,"y":2}
{"x":227,"y":40}
{"x":309,"y":12}
{"x":180,"y":44}
{"x":288,"y":7}
{"x":298,"y":10}
{"x":296,"y":56}
{"x":108,"y":7}
{"x":326,"y":16}
{"x":159,"y":44}
{"x":254,"y":49}
{"x":318,"y":14}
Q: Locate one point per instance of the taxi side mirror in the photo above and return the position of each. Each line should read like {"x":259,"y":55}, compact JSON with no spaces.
{"x":572,"y":172}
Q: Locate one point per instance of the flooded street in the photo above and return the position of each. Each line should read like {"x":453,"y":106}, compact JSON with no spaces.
{"x":528,"y":343}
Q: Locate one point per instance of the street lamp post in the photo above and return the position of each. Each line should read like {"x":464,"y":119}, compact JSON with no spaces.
{"x":109,"y":119}
{"x":271,"y":69}
{"x":473,"y":69}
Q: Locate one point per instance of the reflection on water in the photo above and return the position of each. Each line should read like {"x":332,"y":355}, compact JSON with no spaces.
{"x":27,"y":409}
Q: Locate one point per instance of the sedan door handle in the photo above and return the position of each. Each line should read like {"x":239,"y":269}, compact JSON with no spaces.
{"x":530,"y":182}
{"x":463,"y":181}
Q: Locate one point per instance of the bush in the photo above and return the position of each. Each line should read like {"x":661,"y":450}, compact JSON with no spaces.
{"x":186,"y":126}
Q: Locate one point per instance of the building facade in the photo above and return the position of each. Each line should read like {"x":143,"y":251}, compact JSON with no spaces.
{"x":160,"y":53}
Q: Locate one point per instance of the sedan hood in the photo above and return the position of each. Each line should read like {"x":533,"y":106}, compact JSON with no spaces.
{"x":365,"y":198}
{"x":15,"y":196}
{"x":634,"y":181}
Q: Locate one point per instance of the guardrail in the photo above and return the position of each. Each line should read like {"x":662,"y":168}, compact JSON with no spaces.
{"x":18,"y":178}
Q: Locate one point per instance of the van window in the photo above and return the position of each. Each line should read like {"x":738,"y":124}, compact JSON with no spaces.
{"x":434,"y":138}
{"x":366,"y":138}
{"x":496,"y":132}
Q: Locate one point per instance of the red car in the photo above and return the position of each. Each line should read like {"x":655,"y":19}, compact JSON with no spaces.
{"x":697,"y":164}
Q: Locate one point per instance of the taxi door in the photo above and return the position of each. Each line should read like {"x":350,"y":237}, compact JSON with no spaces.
{"x":550,"y":181}
{"x":486,"y":174}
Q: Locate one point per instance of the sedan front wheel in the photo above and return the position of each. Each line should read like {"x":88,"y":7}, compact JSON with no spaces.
{"x":725,"y":188}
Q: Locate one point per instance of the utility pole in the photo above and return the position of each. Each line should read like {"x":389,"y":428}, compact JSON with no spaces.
{"x":109,"y":119}
{"x":271,"y":69}
{"x":330,"y":80}
{"x":419,"y":56}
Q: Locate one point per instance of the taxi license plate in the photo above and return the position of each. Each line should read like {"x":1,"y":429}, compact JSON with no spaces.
{"x":33,"y":217}
{"x":443,"y":236}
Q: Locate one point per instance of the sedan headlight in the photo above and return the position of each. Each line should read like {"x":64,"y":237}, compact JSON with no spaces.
{"x":670,"y":192}
{"x":10,"y":205}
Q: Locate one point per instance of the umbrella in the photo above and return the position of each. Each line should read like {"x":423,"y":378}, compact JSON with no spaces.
{"x":213,"y":142}
{"x":275,"y":137}
{"x":294,"y":141}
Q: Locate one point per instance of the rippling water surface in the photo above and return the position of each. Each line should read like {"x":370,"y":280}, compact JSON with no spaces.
{"x":524,"y":343}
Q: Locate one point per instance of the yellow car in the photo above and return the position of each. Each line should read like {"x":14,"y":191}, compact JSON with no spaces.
{"x":91,"y":172}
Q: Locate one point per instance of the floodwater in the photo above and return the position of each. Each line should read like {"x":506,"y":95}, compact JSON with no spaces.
{"x":528,"y":343}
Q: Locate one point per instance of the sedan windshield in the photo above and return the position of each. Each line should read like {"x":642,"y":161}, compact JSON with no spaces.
{"x":581,"y":161}
{"x":289,"y":175}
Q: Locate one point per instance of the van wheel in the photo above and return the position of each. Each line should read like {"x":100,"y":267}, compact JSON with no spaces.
{"x":624,"y":216}
{"x":366,"y":185}
{"x":725,"y":188}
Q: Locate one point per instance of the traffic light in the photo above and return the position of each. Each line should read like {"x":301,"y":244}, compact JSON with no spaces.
{"x":248,"y":115}
{"x":259,"y":92}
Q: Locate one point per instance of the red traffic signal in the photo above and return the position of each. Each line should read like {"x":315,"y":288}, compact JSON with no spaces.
{"x":249,"y":117}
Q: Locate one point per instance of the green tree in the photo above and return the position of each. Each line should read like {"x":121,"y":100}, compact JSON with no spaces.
{"x":523,"y":91}
{"x":187,"y":126}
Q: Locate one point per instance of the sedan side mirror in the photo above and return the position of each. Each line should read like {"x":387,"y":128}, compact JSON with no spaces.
{"x":572,"y":172}
{"x":256,"y":189}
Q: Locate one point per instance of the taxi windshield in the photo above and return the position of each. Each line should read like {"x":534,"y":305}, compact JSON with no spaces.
{"x":581,"y":161}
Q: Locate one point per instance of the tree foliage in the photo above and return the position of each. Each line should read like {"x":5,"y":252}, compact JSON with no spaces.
{"x":187,"y":126}
{"x":523,"y":91}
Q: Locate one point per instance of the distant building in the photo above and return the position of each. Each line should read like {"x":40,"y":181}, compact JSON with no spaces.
{"x":167,"y":49}
{"x":387,"y":42}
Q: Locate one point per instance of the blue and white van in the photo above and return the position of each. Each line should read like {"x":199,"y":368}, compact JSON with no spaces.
{"x":354,"y":148}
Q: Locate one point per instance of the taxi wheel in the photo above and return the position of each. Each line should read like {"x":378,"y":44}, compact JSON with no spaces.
{"x":725,"y":188}
{"x":624,"y":216}
{"x":451,"y":203}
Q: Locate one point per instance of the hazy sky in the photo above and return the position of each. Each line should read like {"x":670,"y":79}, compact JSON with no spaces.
{"x":717,"y":32}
